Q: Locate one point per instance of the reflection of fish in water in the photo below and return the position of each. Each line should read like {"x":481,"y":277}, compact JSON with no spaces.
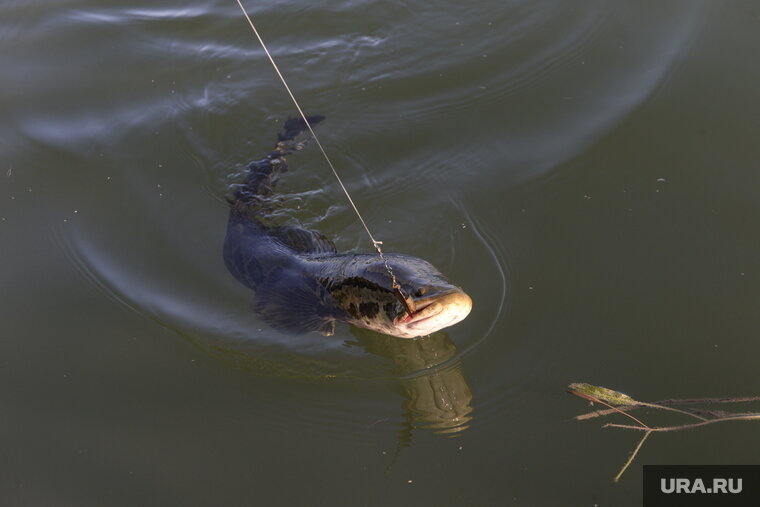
{"x":303,"y":284}
{"x":437,"y":394}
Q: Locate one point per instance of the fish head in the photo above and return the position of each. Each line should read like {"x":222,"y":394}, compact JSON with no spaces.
{"x":433,"y":310}
{"x":374,"y":304}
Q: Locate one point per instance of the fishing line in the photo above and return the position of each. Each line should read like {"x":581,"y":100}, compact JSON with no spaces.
{"x":408,"y":304}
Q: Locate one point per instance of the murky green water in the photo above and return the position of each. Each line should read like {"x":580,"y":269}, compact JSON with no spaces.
{"x":587,"y":172}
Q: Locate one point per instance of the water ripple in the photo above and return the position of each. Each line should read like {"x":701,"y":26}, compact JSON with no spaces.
{"x":429,"y":106}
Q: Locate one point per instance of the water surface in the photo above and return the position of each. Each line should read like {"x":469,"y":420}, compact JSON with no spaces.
{"x":587,"y":172}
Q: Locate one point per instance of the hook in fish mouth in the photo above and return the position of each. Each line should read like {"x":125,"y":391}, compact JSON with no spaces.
{"x":433,"y":313}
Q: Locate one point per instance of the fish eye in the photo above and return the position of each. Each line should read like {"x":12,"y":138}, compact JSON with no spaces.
{"x":420,"y":292}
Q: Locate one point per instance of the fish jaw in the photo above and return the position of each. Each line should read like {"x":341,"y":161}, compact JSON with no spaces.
{"x":433,"y":314}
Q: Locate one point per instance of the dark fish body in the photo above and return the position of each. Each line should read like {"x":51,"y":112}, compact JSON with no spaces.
{"x":301,"y":282}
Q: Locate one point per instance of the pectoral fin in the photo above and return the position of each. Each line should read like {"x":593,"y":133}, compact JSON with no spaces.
{"x":295,"y":305}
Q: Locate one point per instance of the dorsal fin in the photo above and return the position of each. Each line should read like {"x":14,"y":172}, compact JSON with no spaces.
{"x":302,"y":240}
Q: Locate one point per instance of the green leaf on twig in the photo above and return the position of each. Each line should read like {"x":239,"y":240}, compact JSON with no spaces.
{"x":602,"y":393}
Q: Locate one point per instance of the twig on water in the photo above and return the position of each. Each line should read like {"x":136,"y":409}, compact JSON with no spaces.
{"x":751,"y":417}
{"x":621,"y":403}
{"x":632,"y":456}
{"x":594,"y":399}
{"x":667,"y":403}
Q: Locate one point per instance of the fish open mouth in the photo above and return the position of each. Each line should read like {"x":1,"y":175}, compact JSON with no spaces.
{"x":419,"y":313}
{"x":432,"y":314}
{"x":437,"y":311}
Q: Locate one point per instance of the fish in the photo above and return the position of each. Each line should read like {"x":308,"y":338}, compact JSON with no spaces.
{"x":302,"y":284}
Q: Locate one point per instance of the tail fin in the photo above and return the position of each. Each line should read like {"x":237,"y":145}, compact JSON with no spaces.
{"x":294,"y":126}
{"x":263,"y":174}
